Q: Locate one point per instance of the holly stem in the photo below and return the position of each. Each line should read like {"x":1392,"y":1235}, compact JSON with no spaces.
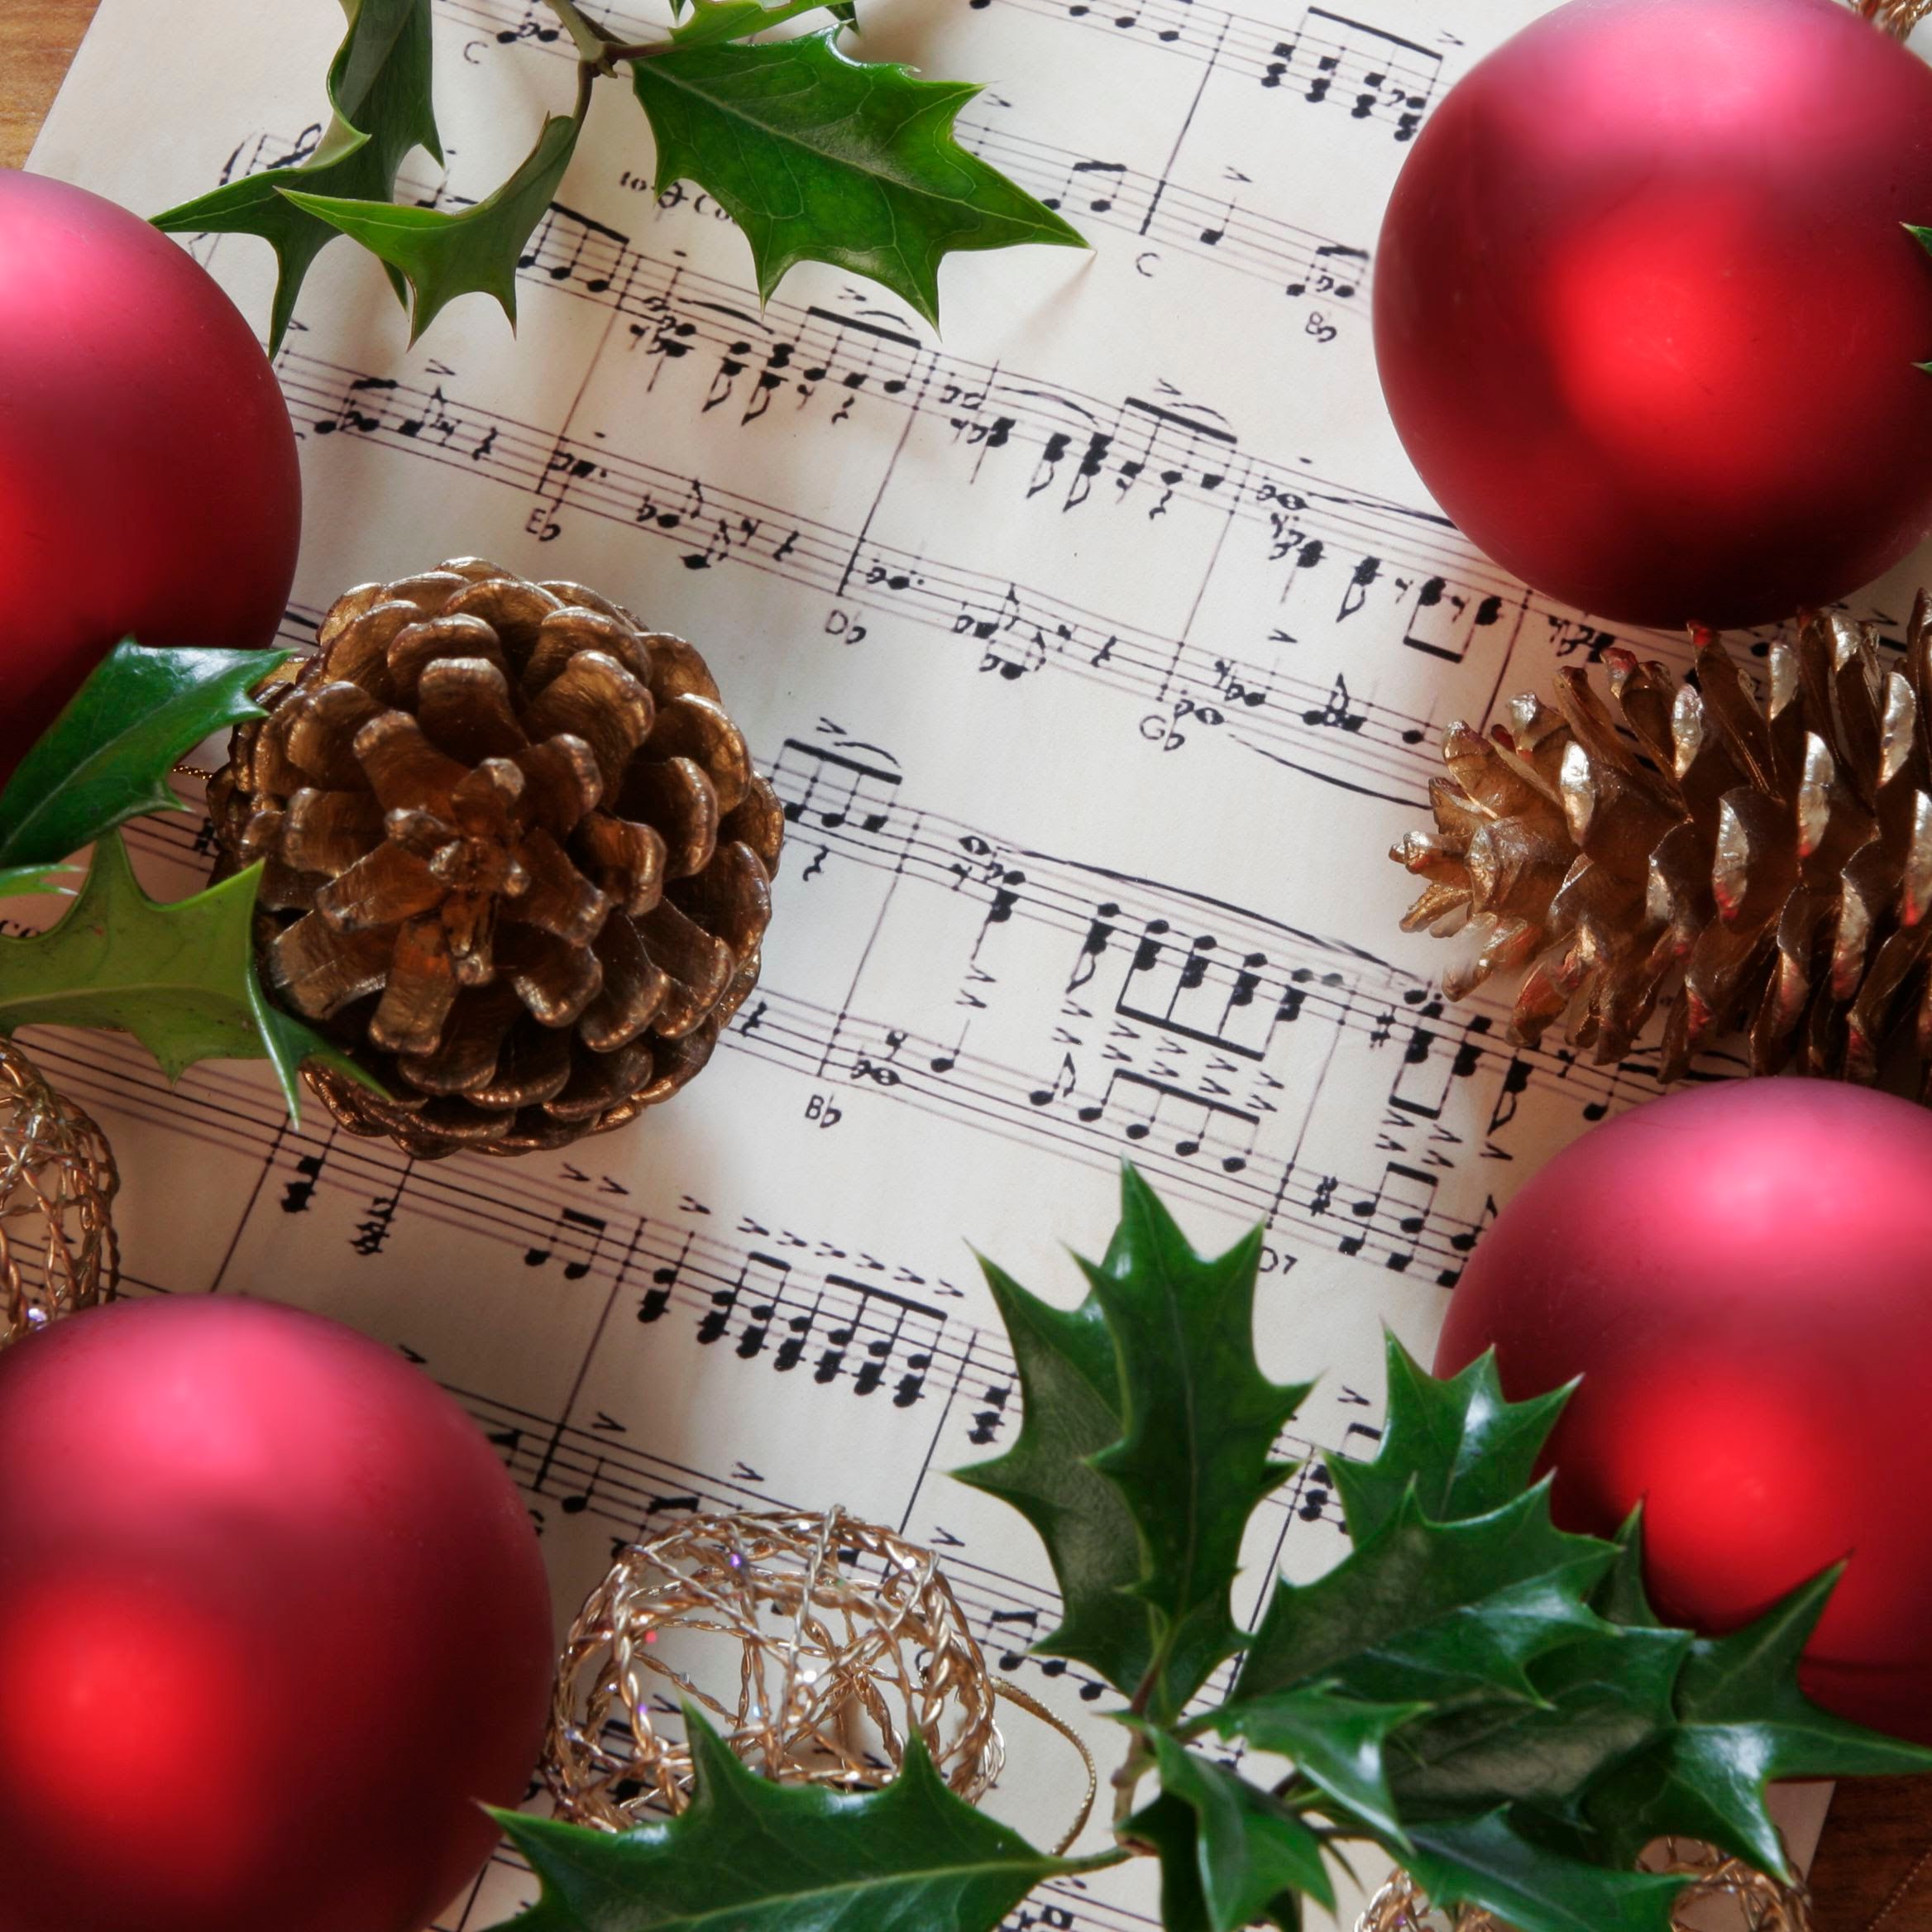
{"x":592,"y":45}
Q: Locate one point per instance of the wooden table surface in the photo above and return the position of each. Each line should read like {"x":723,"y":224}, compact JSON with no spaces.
{"x":1875,"y":1865}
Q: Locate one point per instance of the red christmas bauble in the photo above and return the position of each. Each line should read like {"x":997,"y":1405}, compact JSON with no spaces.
{"x":149,"y":483}
{"x":1742,"y":1277}
{"x":272,"y":1621}
{"x":1646,"y":316}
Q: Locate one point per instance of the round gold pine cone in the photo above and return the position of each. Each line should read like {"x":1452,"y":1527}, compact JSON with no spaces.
{"x":517,"y":861}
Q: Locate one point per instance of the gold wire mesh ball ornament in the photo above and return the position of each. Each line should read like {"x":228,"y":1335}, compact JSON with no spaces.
{"x":844,"y":1639}
{"x":1725,"y":1894}
{"x":58,"y":1253}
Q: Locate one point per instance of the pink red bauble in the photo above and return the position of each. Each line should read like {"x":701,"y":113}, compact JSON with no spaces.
{"x":272,"y":1621}
{"x":1743,"y":1277}
{"x":149,"y":484}
{"x":1645,"y":315}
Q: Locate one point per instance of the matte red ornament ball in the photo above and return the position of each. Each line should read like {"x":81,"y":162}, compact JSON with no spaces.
{"x":1743,"y":1277}
{"x":149,"y":483}
{"x":272,"y":1620}
{"x":1646,"y":316}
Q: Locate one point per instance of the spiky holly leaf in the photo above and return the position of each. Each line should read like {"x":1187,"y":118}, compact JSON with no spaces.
{"x":1199,"y":1424}
{"x":106,"y":758}
{"x":1622,"y":1596}
{"x":1466,"y":1449}
{"x":1604,"y":1698}
{"x":444,"y":256}
{"x":1495,"y":1861}
{"x":180,"y":977}
{"x":1069,"y":1386}
{"x":1438,"y":1613}
{"x":1742,"y":1722}
{"x":378,"y":90}
{"x":758,"y":1857}
{"x":18,"y":881}
{"x":1338,"y":1744}
{"x":1172,"y":1831}
{"x":713,"y":21}
{"x":1249,"y":1848}
{"x":819,"y":158}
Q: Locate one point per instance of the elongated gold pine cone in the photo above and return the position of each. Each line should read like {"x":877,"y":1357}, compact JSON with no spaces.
{"x":1754,"y":863}
{"x":517,"y":861}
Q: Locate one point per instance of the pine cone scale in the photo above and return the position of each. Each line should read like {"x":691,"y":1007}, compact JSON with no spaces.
{"x":1768,"y":863}
{"x":516,"y":857}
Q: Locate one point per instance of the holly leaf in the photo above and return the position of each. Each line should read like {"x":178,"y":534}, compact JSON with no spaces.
{"x":1622,"y":1596}
{"x":1467,"y":1450}
{"x":444,"y":256}
{"x":180,"y":977}
{"x":106,"y":758}
{"x":1493,"y":1861}
{"x":1172,"y":1830}
{"x":379,"y":91}
{"x":1199,"y":1424}
{"x":1436,"y":1613}
{"x":1742,"y":1722}
{"x":18,"y":881}
{"x":1070,"y":1391}
{"x":819,"y":158}
{"x":1249,"y":1847}
{"x":1337,"y":1743}
{"x":759,"y":1856}
{"x":1603,"y":1699}
{"x":713,"y":21}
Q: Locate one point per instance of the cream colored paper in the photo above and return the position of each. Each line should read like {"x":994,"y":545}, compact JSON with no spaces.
{"x":1099,"y":651}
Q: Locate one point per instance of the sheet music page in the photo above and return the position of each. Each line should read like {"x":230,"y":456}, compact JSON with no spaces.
{"x":1098,"y":652}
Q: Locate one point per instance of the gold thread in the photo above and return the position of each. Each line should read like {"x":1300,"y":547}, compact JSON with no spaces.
{"x":58,"y":1252}
{"x":843,"y":1638}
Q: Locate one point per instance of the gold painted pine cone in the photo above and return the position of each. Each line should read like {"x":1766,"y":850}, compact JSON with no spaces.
{"x":1761,"y":864}
{"x":518,"y":861}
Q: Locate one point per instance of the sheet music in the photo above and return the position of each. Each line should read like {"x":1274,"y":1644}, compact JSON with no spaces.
{"x":1098,"y":651}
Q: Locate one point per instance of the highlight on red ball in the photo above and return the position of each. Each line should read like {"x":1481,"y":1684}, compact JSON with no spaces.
{"x":1612,"y":311}
{"x":1737,"y":1276}
{"x":274,"y":1626}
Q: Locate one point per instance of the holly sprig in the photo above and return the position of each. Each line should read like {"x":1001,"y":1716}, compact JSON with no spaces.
{"x":180,"y":975}
{"x":815,"y":156}
{"x":1488,"y":1698}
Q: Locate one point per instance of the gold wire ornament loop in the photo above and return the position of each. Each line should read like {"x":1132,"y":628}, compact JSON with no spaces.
{"x":58,"y":1252}
{"x":843,"y":1638}
{"x":1034,"y":1708}
{"x":1897,"y":17}
{"x":1757,"y":1902}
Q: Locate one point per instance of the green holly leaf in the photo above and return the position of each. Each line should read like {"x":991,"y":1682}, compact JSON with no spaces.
{"x":1338,"y":1744}
{"x":1603,"y":1698}
{"x":17,"y":881}
{"x":1434,"y":1612}
{"x":106,"y":758}
{"x":1467,"y":1450}
{"x":444,"y":256}
{"x":1494,"y":1861}
{"x":1172,"y":1830}
{"x":1249,"y":1848}
{"x":1199,"y":1424}
{"x":1621,"y":1595}
{"x":1742,"y":1722}
{"x":180,"y":977}
{"x":819,"y":158}
{"x":379,"y":90}
{"x":758,"y":1857}
{"x":713,"y":21}
{"x":1070,"y":1386}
